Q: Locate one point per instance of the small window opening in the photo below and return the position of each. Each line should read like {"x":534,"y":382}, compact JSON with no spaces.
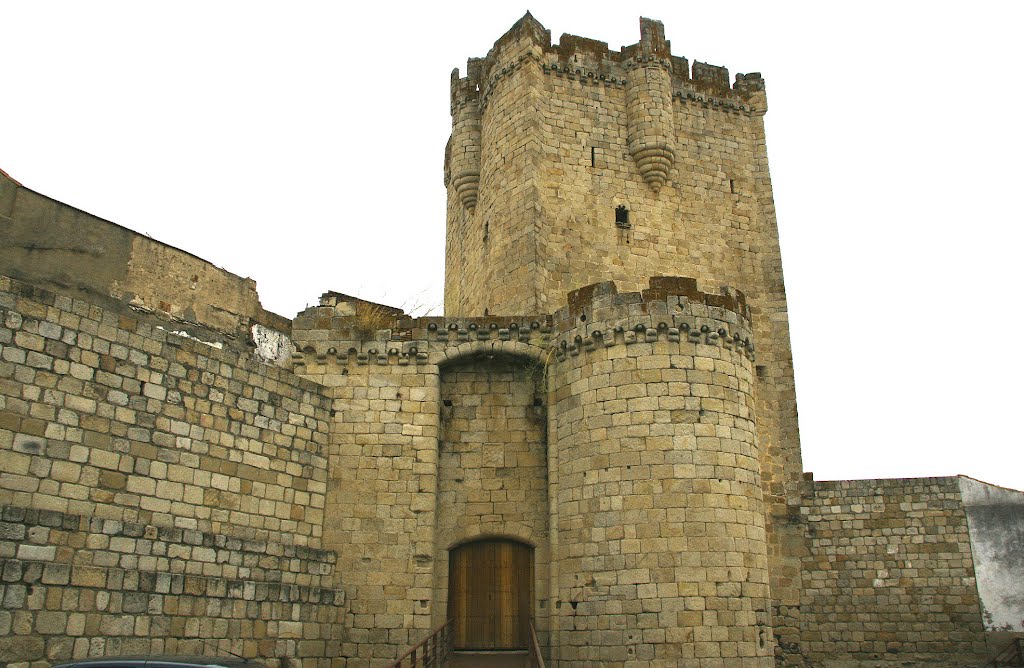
{"x":593,"y":156}
{"x":448,"y":403}
{"x":732,"y":186}
{"x":487,"y":312}
{"x":760,"y":370}
{"x":622,"y":216}
{"x":487,"y":231}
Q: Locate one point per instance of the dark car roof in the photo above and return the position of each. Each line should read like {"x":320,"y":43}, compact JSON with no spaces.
{"x":159,"y":660}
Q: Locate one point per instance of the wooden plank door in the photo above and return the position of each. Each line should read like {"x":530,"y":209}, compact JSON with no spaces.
{"x":490,"y":592}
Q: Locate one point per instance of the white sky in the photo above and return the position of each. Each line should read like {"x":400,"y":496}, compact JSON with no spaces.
{"x":301,"y":144}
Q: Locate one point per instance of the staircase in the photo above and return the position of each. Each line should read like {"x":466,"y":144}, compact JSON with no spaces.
{"x":436,"y":652}
{"x":1011,"y":655}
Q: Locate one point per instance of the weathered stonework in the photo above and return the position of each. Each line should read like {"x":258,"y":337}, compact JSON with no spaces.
{"x":572,"y":132}
{"x":615,"y":438}
{"x":889,"y":574}
{"x":184,"y":472}
{"x":58,"y":247}
{"x":995,"y":517}
{"x":158,"y":494}
{"x":660,"y":521}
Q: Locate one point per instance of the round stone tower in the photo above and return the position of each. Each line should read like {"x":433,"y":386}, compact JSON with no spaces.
{"x":660,"y":551}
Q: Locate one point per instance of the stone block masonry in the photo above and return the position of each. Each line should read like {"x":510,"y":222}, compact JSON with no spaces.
{"x":614,"y":438}
{"x":493,"y":464}
{"x":889,"y":575}
{"x":435,"y":440}
{"x":660,"y":521}
{"x":157,"y":494}
{"x":621,"y":165}
{"x":79,"y":586}
{"x":586,"y":442}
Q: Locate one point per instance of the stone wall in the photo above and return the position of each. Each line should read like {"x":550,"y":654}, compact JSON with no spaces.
{"x":56,"y":246}
{"x":645,"y":509}
{"x":383,"y":465}
{"x":76,"y":586}
{"x":889,"y":577}
{"x":168,"y":492}
{"x":158,"y":493}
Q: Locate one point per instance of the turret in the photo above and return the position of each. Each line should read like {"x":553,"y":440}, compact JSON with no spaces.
{"x":462,"y":159}
{"x":649,"y":105}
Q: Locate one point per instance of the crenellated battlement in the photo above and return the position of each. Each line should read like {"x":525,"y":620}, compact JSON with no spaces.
{"x":344,"y":331}
{"x":591,"y":61}
{"x":407,"y":341}
{"x":465,"y":90}
{"x":605,"y":295}
{"x":672,"y":309}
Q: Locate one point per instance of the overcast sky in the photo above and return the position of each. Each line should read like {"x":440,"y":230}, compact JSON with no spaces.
{"x":301,"y":144}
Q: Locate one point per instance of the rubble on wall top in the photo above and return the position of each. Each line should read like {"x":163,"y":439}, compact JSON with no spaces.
{"x":334,"y":299}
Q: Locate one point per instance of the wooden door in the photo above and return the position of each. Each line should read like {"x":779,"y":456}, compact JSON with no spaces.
{"x":490,"y":594}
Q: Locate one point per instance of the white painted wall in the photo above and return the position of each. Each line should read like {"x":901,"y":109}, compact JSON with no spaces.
{"x":272,"y":346}
{"x":995,"y":518}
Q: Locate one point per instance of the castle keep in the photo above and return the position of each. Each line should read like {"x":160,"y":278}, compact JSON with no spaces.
{"x":597,"y":440}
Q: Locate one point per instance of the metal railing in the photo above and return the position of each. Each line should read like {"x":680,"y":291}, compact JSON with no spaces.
{"x":536,"y":658}
{"x":1012,"y":655}
{"x":433,"y":652}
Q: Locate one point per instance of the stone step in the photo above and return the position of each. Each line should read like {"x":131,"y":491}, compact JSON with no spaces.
{"x":518,"y":659}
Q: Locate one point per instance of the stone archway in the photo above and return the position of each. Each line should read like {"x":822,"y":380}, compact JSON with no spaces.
{"x":492,"y":477}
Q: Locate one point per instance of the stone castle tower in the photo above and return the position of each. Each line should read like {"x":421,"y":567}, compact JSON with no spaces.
{"x":570,"y":165}
{"x":597,"y":441}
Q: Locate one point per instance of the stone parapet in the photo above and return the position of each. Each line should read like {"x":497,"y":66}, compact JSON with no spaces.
{"x":591,"y":62}
{"x":672,"y":309}
{"x":345,"y":330}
